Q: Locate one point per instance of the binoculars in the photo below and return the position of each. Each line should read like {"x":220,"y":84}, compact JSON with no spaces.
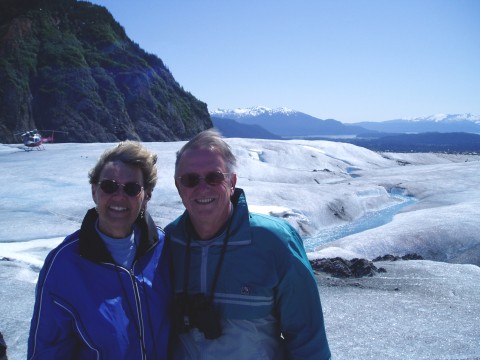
{"x":196,"y":311}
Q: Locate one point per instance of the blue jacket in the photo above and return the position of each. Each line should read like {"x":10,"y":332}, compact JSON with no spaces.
{"x":86,"y":307}
{"x":266,"y":294}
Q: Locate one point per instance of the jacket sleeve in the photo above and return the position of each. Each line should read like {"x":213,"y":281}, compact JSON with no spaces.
{"x":51,"y":330}
{"x":299,"y":307}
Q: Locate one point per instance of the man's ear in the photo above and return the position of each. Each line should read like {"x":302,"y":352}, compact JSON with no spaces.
{"x":233,"y":181}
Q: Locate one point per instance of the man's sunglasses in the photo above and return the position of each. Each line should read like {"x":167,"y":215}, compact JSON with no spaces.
{"x":111,"y":186}
{"x":212,"y":178}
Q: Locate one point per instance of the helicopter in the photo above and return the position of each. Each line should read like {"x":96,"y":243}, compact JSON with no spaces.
{"x":33,"y":139}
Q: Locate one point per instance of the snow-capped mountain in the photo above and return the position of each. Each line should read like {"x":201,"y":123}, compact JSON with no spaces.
{"x":447,"y":118}
{"x":286,"y":122}
{"x":252,"y":111}
{"x":442,"y":123}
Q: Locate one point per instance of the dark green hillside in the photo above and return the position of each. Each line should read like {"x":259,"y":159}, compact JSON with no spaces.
{"x":68,"y":65}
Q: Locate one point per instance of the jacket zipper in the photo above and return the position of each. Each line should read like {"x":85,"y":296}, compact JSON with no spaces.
{"x":139,"y":311}
{"x":203,"y":269}
{"x":136,"y":293}
{"x":139,"y":304}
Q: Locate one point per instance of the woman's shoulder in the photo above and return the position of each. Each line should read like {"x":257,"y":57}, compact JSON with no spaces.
{"x":65,"y":249}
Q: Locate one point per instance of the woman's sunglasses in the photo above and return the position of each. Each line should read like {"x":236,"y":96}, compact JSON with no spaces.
{"x":111,"y":186}
{"x":213,"y":178}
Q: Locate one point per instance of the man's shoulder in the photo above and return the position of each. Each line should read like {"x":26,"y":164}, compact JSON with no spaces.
{"x":172,"y":226}
{"x":272,"y":228}
{"x":269,"y":223}
{"x":279,"y":237}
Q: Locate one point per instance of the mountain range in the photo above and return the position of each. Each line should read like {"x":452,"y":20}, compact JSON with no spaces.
{"x":287,"y":123}
{"x":439,"y":123}
{"x":290,"y":123}
{"x":450,"y":133}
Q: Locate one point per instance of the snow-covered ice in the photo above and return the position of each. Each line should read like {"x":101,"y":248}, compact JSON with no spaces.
{"x":416,"y":310}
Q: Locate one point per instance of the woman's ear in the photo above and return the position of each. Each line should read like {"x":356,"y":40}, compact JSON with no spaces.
{"x":94,"y":193}
{"x":146,"y":199}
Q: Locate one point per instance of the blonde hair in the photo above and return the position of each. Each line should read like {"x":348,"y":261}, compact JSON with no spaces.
{"x":130,"y":153}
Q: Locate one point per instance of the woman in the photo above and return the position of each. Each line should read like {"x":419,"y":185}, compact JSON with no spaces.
{"x":104,"y":292}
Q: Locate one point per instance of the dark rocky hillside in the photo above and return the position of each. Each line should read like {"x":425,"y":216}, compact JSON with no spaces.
{"x":68,"y":65}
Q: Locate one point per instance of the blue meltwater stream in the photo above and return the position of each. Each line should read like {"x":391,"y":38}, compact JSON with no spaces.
{"x":368,"y":221}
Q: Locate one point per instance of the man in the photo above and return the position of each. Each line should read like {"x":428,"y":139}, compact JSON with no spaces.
{"x":244,"y":286}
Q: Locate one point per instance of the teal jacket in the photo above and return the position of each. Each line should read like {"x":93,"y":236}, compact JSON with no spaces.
{"x":266,"y":294}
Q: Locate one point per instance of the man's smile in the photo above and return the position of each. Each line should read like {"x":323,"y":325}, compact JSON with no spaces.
{"x":204,"y":201}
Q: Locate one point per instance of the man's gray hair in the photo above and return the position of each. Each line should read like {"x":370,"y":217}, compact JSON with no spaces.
{"x":209,"y":139}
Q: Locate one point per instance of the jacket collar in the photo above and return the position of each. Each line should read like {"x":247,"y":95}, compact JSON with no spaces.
{"x":239,"y":231}
{"x":91,"y":246}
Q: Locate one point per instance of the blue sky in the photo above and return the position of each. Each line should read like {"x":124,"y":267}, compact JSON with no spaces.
{"x":350,"y":60}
